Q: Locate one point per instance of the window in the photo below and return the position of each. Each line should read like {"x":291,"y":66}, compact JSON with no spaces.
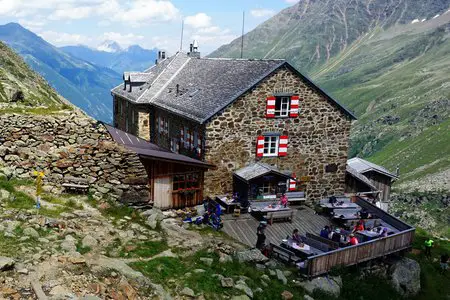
{"x":282,"y":106}
{"x":174,"y":145}
{"x":271,"y":145}
{"x":163,"y":125}
{"x":186,"y":182}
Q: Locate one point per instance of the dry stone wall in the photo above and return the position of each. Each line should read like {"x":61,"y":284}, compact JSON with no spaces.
{"x":317,"y":137}
{"x":70,"y":144}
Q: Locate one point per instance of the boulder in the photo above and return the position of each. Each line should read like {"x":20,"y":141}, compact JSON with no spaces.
{"x":241,"y":297}
{"x":4,"y":194}
{"x":281,"y":277}
{"x":207,"y":261}
{"x":307,"y":297}
{"x":224,"y":258}
{"x":89,"y":241}
{"x":329,"y":285}
{"x":243,"y":287}
{"x":6,"y":263}
{"x":227,"y":282}
{"x":405,"y":277}
{"x":188,"y":292}
{"x":31,"y":232}
{"x":68,"y":246}
{"x":286,"y":295}
{"x":253,"y":255}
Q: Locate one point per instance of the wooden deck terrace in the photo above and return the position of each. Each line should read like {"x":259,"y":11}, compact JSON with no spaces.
{"x":243,"y":228}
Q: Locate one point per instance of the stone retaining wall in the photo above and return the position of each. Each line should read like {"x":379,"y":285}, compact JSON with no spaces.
{"x":71,"y":144}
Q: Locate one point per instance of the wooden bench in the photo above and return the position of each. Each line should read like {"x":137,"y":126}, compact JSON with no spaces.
{"x":283,"y":254}
{"x":76,"y":184}
{"x":332,"y":245}
{"x":316,"y":244}
{"x":279,"y":215}
{"x":296,"y":196}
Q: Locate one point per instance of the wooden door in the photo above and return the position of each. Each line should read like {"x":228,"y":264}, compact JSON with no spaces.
{"x":163,"y":192}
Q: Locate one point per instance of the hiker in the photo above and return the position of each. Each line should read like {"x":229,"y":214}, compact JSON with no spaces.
{"x":260,"y":232}
{"x":444,"y":263}
{"x":284,"y":200}
{"x":296,"y":237}
{"x":428,"y":245}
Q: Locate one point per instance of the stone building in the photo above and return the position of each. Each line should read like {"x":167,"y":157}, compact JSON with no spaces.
{"x":235,"y":112}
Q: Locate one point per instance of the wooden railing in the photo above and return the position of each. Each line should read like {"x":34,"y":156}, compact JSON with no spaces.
{"x":323,"y":263}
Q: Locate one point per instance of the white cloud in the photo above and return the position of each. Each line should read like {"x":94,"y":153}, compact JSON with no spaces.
{"x":73,"y":13}
{"x":143,"y":12}
{"x":259,"y":13}
{"x":200,"y":20}
{"x":33,"y":24}
{"x":291,"y":1}
{"x":63,"y":39}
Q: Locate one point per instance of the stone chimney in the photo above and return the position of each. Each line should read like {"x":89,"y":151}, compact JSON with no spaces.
{"x":161,"y":56}
{"x":193,"y":50}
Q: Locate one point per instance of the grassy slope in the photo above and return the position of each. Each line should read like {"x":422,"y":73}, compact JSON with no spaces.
{"x":398,"y":85}
{"x":15,"y":75}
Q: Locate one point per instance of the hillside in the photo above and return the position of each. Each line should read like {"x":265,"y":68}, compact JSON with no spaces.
{"x":134,"y":58}
{"x":388,"y":62}
{"x":83,"y":84}
{"x":21,"y":89}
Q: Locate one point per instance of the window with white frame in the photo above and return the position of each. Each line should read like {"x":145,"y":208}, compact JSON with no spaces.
{"x":282,"y":106}
{"x":271,"y":145}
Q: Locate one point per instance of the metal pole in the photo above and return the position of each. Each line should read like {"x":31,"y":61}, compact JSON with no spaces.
{"x":242,"y":37}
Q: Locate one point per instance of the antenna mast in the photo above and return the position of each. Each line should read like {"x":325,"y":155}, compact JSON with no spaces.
{"x":182,"y":33}
{"x":242,"y":36}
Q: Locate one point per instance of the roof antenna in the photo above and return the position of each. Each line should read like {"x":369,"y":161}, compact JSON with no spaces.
{"x":182,"y":33}
{"x":242,"y":37}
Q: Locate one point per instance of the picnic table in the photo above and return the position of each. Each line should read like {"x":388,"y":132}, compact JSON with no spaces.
{"x":338,"y":206}
{"x":301,"y":251}
{"x":227,"y":203}
{"x":368,"y":235}
{"x":265,"y":207}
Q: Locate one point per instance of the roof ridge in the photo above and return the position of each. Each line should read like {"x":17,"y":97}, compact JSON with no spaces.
{"x":242,"y":59}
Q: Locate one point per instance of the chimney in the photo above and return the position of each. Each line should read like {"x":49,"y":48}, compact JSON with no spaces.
{"x":161,"y":56}
{"x":193,"y":50}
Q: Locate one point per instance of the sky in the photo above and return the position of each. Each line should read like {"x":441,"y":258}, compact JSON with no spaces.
{"x":148,"y":23}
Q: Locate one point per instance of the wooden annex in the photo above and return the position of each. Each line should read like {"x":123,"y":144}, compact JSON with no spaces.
{"x":174,"y":180}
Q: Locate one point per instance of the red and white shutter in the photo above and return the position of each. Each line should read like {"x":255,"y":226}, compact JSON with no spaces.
{"x":199,"y":146}
{"x":293,"y":183}
{"x":182,"y":135}
{"x":270,"y":107}
{"x":293,"y":113}
{"x":260,"y":146}
{"x":282,"y":146}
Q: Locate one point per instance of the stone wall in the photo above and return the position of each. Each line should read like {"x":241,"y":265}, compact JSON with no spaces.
{"x":70,"y":144}
{"x":317,"y":138}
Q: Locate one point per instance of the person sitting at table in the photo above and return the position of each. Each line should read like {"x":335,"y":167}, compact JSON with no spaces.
{"x":296,"y":237}
{"x":332,"y":200}
{"x":353,"y":240}
{"x":325,"y":232}
{"x":261,"y":234}
{"x":284,"y":200}
{"x":336,"y":236}
{"x":384,"y":232}
{"x":359,"y":226}
{"x":364,"y":214}
{"x":218,"y":209}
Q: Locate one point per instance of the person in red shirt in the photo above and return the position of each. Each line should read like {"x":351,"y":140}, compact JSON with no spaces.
{"x":359,"y":226}
{"x":353,"y":240}
{"x":284,"y":200}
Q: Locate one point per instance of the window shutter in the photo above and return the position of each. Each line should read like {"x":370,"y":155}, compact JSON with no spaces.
{"x":294,"y":106}
{"x":182,"y":135}
{"x":293,"y":183}
{"x":282,"y":146}
{"x":260,"y":146}
{"x":270,"y":107}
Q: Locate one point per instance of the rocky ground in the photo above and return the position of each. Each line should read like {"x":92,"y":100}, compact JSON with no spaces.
{"x":74,"y":247}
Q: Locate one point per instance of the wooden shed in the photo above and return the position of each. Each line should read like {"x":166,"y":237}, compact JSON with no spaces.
{"x":174,"y":180}
{"x":260,"y":181}
{"x":379,"y":177}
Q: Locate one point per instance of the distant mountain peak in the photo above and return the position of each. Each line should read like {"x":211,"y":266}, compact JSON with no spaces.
{"x":110,"y":46}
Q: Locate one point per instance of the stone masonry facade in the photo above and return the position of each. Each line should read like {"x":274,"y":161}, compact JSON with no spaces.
{"x":71,"y":144}
{"x":318,"y":138}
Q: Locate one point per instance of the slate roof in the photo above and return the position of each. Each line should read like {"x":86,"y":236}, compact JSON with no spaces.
{"x":362,"y":166}
{"x":360,"y":177}
{"x":258,"y":169}
{"x":147,"y":149}
{"x":205,"y":85}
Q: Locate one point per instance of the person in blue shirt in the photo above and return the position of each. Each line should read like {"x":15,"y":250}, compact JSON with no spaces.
{"x":325,"y":232}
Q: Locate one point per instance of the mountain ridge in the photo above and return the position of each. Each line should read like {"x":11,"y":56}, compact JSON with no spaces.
{"x":84,"y":84}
